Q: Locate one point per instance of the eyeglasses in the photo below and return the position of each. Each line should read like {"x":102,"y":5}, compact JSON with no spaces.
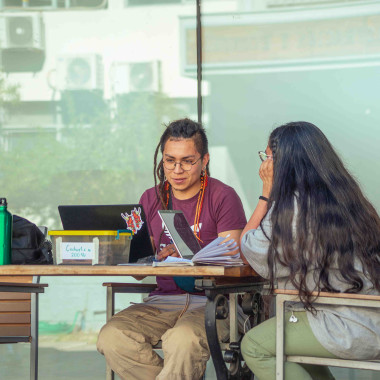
{"x":186,"y":165}
{"x":263,"y":156}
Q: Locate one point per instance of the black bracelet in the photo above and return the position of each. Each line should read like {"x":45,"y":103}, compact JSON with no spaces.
{"x":263,"y":198}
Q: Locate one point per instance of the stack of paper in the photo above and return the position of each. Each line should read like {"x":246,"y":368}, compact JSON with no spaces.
{"x":219,"y":252}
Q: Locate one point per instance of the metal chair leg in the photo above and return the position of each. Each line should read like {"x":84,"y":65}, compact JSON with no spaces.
{"x":280,"y":331}
{"x":110,"y":375}
{"x":34,"y":337}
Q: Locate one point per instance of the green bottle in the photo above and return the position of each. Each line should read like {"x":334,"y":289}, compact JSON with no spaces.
{"x":5,"y":233}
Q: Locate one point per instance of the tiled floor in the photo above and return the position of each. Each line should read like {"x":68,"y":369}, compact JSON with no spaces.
{"x":72,"y":360}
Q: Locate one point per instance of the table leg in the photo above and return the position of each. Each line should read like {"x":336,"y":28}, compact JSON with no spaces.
{"x":218,"y":307}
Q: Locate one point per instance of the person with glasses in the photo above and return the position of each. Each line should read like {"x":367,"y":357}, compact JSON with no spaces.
{"x":174,"y":312}
{"x":312,"y":230}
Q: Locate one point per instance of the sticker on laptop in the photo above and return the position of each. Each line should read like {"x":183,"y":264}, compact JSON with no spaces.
{"x":133,"y":220}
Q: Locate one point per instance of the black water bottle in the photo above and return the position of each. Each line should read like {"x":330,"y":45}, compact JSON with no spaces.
{"x":5,"y":233}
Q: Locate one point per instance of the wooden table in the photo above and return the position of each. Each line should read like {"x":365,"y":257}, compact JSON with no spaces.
{"x":125,"y":270}
{"x":216,"y":281}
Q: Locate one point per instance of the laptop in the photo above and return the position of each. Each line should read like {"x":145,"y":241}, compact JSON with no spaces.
{"x":111,"y":217}
{"x":181,"y":233}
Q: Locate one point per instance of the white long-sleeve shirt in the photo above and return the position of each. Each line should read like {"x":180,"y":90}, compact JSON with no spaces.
{"x":347,"y":332}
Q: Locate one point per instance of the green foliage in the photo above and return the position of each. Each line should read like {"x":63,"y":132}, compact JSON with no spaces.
{"x":95,"y":158}
{"x":9,"y":93}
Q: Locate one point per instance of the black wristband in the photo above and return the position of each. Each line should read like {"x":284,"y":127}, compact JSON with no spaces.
{"x":263,"y":198}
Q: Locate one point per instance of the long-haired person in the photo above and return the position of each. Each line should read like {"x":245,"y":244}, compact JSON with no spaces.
{"x":174,"y":313}
{"x":312,"y":230}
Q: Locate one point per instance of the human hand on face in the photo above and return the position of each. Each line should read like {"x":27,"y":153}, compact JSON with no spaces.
{"x":169,"y":250}
{"x":266,"y":175}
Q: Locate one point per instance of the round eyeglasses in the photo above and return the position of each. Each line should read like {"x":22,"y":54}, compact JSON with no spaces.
{"x":186,"y":165}
{"x":263,"y":156}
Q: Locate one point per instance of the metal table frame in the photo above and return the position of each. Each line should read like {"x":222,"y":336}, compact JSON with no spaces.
{"x":215,"y":281}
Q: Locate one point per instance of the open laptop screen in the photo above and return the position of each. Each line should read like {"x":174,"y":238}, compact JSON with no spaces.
{"x":111,"y":217}
{"x":180,"y":231}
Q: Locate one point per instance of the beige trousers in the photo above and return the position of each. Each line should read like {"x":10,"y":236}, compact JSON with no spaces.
{"x":126,"y":342}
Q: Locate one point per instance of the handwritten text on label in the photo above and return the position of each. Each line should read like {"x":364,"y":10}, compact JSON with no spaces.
{"x":77,"y":251}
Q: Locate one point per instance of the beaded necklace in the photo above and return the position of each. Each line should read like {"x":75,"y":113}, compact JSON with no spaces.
{"x":198,"y":209}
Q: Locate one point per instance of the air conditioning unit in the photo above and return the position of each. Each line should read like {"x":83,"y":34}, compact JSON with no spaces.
{"x":80,"y":72}
{"x":129,"y":77}
{"x":21,"y":32}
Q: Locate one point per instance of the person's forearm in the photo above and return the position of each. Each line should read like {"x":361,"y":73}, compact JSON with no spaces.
{"x":266,"y":175}
{"x":257,"y":216}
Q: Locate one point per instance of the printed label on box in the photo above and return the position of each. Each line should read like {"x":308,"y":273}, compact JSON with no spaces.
{"x":77,"y":251}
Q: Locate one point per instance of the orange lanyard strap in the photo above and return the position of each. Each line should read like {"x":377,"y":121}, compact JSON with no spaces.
{"x":198,"y":209}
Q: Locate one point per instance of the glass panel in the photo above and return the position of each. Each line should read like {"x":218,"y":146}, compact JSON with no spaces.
{"x":83,"y":98}
{"x":84,"y":101}
{"x":266,"y":63}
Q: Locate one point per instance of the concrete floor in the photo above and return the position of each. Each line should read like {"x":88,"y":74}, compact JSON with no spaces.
{"x":76,"y":360}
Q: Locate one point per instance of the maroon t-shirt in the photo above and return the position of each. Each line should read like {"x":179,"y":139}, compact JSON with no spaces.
{"x":222,"y":211}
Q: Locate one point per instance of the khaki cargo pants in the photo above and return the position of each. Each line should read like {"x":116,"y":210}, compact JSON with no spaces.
{"x":126,"y":342}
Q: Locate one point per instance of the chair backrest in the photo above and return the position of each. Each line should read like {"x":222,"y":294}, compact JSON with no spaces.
{"x":15,"y":311}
